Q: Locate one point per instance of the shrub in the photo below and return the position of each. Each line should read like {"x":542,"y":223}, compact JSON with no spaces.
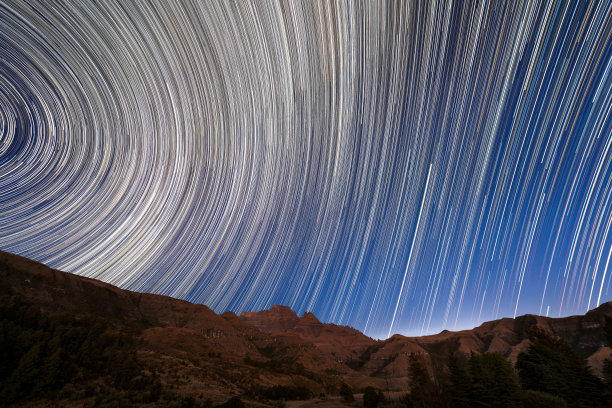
{"x":372,"y":397}
{"x":538,"y":399}
{"x":287,"y":392}
{"x":234,"y":402}
{"x":347,"y":393}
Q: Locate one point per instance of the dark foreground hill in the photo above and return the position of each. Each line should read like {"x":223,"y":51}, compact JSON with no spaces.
{"x":73,"y":341}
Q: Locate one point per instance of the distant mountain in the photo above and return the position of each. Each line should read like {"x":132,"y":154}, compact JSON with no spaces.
{"x":343,"y":342}
{"x":188,"y":351}
{"x":508,"y":337}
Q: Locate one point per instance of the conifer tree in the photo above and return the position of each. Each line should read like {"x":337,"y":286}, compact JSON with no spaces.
{"x":550,"y":365}
{"x":460,"y":387}
{"x":494,"y":382}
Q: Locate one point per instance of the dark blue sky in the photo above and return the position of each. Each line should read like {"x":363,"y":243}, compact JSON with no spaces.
{"x":398,"y":167}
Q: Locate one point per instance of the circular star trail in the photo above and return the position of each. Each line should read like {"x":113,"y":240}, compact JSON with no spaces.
{"x":396,"y":166}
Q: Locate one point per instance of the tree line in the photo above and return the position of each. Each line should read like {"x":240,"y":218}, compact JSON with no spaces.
{"x":548,"y":374}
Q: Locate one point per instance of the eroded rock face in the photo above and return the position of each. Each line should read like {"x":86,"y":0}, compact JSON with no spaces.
{"x":276,"y":346}
{"x":223,"y":351}
{"x":343,"y":343}
{"x":508,"y":337}
{"x":276,"y":319}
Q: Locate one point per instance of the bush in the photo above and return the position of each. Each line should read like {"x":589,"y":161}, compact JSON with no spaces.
{"x":188,"y":402}
{"x":406,"y":401}
{"x":372,"y":397}
{"x":347,"y":393}
{"x":287,"y":392}
{"x":234,"y":402}
{"x":537,"y":399}
{"x":279,"y":404}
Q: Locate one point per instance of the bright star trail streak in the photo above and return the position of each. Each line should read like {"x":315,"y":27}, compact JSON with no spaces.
{"x":399,"y":166}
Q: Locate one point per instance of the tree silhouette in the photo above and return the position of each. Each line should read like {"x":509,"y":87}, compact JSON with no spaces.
{"x":538,"y":399}
{"x":372,"y":397}
{"x":550,"y":365}
{"x":426,"y":390}
{"x":347,"y":393}
{"x":460,"y":387}
{"x":494,"y":382}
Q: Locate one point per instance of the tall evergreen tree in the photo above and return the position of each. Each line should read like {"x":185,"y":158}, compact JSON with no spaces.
{"x":607,"y":368}
{"x":460,"y":390}
{"x":494,"y":382}
{"x":426,"y":391}
{"x":550,"y":365}
{"x":607,"y":378}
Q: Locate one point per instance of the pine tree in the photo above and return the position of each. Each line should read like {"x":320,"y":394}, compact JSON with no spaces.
{"x":607,"y":377}
{"x":426,"y":390}
{"x":460,"y":388}
{"x":550,"y":365}
{"x":420,"y":381}
{"x":494,"y":382}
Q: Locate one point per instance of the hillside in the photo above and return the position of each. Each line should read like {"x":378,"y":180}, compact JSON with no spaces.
{"x":181,"y":351}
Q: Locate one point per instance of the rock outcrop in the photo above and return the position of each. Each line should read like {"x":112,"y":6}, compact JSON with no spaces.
{"x":229,"y":353}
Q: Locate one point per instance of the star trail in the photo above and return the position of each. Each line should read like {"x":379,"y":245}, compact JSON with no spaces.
{"x":400,"y":167}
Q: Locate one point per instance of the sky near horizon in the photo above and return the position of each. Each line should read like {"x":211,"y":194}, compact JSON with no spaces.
{"x":397,"y":166}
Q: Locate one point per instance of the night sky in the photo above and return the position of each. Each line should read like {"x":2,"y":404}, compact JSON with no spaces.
{"x":400,"y":167}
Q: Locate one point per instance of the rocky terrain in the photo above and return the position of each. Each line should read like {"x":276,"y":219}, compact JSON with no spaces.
{"x":191,"y":352}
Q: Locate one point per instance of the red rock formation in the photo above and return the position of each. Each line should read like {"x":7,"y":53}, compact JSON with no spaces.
{"x":342,"y":342}
{"x":276,"y":346}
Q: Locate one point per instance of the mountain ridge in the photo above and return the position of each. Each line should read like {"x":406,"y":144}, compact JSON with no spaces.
{"x":230,"y":354}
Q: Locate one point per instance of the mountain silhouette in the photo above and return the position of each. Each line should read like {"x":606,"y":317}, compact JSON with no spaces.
{"x":194,"y":352}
